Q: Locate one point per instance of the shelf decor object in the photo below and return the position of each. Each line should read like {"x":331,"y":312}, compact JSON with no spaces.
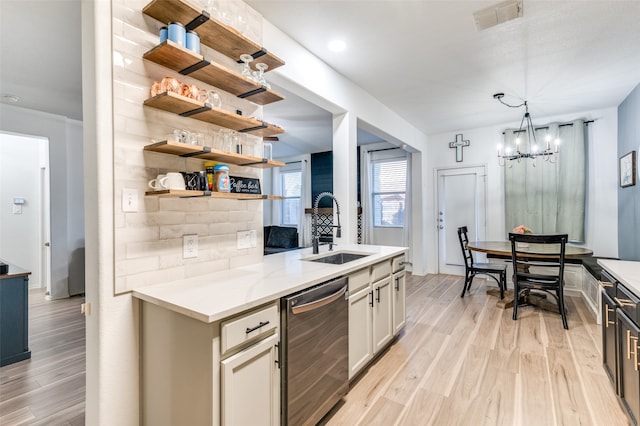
{"x":531,"y":151}
{"x":628,"y":169}
{"x":186,"y":62}
{"x":213,"y":33}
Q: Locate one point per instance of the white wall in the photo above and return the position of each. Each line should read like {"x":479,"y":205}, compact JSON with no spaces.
{"x":601,"y":223}
{"x":66,"y":194}
{"x":313,"y":80}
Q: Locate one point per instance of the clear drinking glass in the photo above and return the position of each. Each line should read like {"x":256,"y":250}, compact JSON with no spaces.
{"x":259,"y":75}
{"x":225,"y":140}
{"x":214,"y":99}
{"x":246,"y":70}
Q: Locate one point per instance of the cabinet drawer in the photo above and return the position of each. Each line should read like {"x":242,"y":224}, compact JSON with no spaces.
{"x":608,"y":283}
{"x":248,"y":326}
{"x":628,"y":302}
{"x":397,"y":264}
{"x":380,"y":270}
{"x":358,"y":280}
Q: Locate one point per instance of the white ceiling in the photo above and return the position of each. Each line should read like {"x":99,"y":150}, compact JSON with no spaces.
{"x":427,"y":61}
{"x":423,"y":59}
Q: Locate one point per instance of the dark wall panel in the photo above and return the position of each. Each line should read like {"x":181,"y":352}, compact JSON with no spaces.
{"x":629,"y":197}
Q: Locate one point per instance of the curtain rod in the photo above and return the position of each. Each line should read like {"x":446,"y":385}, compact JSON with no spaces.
{"x":586,"y":123}
{"x":384,"y":149}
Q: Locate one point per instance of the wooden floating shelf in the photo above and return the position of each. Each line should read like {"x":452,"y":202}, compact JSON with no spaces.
{"x":213,"y":33}
{"x":187,"y":107}
{"x":186,"y":62}
{"x":207,"y":153}
{"x":182,"y":193}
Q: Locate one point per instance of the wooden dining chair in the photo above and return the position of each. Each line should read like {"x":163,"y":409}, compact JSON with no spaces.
{"x":548,"y":253}
{"x":471,"y":269}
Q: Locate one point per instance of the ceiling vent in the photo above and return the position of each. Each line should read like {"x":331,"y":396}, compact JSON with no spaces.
{"x":497,"y":14}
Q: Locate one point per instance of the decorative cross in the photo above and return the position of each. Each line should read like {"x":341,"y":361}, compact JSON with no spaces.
{"x":458,"y":144}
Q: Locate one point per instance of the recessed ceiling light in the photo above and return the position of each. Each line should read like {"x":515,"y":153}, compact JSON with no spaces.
{"x":337,"y":45}
{"x":10,"y":98}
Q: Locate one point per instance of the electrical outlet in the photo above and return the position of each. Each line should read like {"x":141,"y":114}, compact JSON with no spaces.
{"x":243,"y":240}
{"x":129,"y":200}
{"x":189,"y":246}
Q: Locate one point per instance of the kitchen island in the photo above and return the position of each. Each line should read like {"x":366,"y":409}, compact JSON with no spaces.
{"x":210,"y":344}
{"x":14,"y":315}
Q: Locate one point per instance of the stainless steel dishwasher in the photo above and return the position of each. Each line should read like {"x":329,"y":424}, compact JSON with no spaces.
{"x":315,"y":348}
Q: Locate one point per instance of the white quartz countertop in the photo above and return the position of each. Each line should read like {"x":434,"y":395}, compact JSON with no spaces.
{"x":218,"y":295}
{"x":625,"y":271}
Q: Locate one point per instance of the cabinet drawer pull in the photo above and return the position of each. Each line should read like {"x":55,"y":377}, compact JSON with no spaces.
{"x":378,"y":294}
{"x":624,"y":302}
{"x":371,"y":296}
{"x":397,"y":284}
{"x":635,"y":352}
{"x":606,"y":315}
{"x":261,"y":324}
{"x":605,"y":284}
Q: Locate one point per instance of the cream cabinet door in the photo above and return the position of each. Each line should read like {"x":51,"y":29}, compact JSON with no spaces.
{"x":360,"y":334}
{"x":382,"y":314}
{"x":399,"y":306}
{"x":251,"y":385}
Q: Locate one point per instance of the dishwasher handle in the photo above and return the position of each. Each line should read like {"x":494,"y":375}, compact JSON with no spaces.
{"x":320,"y":302}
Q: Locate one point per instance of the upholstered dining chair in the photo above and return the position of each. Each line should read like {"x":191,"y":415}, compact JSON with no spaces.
{"x":547,"y":252}
{"x":471,"y":268}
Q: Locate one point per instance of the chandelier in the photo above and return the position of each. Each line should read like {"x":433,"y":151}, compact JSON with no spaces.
{"x":531,"y":151}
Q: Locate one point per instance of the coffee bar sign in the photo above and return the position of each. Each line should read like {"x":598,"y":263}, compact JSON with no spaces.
{"x":243,"y":185}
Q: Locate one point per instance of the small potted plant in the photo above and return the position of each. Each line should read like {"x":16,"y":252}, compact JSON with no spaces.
{"x":522,"y":229}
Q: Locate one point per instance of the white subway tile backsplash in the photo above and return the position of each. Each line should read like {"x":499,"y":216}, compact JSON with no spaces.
{"x":148,"y":243}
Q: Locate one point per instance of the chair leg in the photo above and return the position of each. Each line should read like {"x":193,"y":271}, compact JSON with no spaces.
{"x":468,"y":277}
{"x":563,"y":312}
{"x":515,"y":300}
{"x":503,"y":284}
{"x":464,"y":286}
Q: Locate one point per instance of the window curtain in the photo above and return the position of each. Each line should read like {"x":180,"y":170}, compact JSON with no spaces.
{"x":304,"y":226}
{"x":548,"y":198}
{"x":365,"y":191}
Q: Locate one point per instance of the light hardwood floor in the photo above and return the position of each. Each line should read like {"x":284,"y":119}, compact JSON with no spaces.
{"x":457,"y":362}
{"x":48,"y":389}
{"x":466,"y":362}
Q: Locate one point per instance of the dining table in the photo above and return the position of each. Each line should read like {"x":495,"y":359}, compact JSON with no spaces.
{"x":502,"y":249}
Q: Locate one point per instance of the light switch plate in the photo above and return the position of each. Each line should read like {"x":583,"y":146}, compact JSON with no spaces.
{"x":243,"y":240}
{"x":189,"y":246}
{"x":129,"y":200}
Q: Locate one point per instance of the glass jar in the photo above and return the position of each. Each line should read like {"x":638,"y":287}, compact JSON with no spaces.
{"x":222,"y":183}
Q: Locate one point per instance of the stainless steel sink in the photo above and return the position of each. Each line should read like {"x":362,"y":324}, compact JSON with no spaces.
{"x":337,"y":258}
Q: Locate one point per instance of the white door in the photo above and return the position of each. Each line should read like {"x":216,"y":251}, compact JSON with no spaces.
{"x":24,"y":205}
{"x":461,"y":201}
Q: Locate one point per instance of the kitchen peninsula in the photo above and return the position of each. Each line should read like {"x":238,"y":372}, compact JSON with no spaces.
{"x":211,"y":343}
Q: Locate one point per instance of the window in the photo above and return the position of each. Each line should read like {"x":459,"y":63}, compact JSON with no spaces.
{"x":388,"y":191}
{"x":291,"y":184}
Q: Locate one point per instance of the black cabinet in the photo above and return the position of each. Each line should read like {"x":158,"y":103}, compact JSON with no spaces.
{"x":620,"y":335}
{"x":609,"y":338}
{"x":628,"y":375}
{"x":14,"y":317}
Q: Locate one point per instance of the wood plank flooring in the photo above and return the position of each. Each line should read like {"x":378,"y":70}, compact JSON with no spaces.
{"x":457,"y":362}
{"x":49,"y":388}
{"x":466,"y":362}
